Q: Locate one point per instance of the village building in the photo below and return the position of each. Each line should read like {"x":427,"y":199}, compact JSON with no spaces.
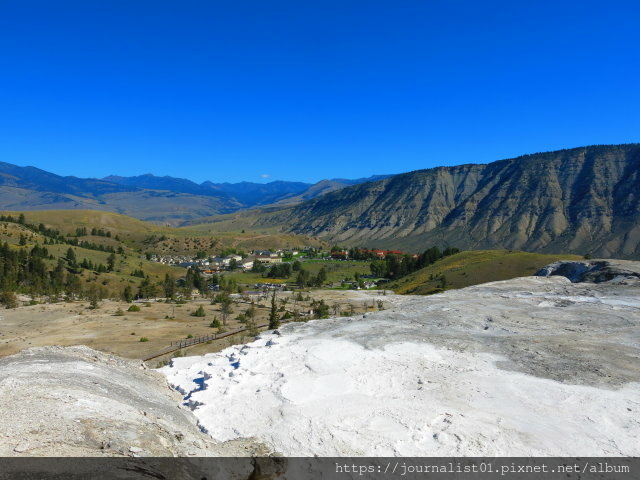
{"x":267,"y":259}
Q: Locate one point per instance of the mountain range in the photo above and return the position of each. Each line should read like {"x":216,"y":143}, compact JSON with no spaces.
{"x":583,"y":200}
{"x":166,"y":200}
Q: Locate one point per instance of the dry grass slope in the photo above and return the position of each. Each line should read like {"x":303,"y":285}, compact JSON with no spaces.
{"x":139,"y":235}
{"x":474,"y":267}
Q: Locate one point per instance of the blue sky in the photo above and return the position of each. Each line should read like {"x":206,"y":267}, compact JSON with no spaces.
{"x":297,"y":90}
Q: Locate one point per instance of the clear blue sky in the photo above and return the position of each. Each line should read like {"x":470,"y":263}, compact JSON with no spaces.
{"x":305,"y":90}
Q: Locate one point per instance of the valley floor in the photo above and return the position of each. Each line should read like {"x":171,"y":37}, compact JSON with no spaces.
{"x":530,"y":366}
{"x":74,"y":323}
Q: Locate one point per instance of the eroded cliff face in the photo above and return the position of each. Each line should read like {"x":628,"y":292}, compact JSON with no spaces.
{"x":584,"y":200}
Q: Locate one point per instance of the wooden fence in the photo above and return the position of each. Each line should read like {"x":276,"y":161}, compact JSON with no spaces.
{"x":189,"y":342}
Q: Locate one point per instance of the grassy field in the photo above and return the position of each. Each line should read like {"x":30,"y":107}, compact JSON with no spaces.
{"x":68,"y":220}
{"x":336,"y":271}
{"x":474,"y":267}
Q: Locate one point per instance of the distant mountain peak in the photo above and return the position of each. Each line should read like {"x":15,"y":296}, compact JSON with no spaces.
{"x":146,"y":196}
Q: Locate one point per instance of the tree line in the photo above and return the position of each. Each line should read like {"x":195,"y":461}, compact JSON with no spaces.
{"x":398,"y":266}
{"x":53,"y":236}
{"x":23,"y":270}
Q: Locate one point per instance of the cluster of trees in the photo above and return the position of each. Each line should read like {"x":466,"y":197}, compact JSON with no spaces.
{"x":280,"y":270}
{"x":305,"y":279}
{"x":26,"y":271}
{"x":74,"y":264}
{"x":147,"y":288}
{"x":138,"y":273}
{"x":29,"y":271}
{"x":258,"y":267}
{"x":320,"y":309}
{"x":194,"y":280}
{"x":397,"y":266}
{"x":97,"y":232}
{"x":93,"y":246}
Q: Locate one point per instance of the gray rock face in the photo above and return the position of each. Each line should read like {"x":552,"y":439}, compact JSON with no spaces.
{"x":595,"y":271}
{"x":75,"y":401}
{"x":583,"y":200}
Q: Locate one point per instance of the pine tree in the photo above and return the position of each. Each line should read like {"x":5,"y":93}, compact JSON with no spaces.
{"x":71,"y":257}
{"x":111,"y":262}
{"x":73,"y":286}
{"x":226,"y":308}
{"x":321,"y":277}
{"x":169,"y":286}
{"x":127,"y":294}
{"x":146,"y":289}
{"x":274,"y":320}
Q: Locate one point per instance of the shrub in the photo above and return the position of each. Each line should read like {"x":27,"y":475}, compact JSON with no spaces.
{"x":144,"y":339}
{"x":119,"y":312}
{"x":9,"y":299}
{"x":199,"y":312}
{"x":133,"y":308}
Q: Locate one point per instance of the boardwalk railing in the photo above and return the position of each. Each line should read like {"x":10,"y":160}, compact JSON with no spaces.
{"x":188,"y":342}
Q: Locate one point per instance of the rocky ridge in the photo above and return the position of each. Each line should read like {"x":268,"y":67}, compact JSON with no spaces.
{"x":583,"y":200}
{"x":595,"y":271}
